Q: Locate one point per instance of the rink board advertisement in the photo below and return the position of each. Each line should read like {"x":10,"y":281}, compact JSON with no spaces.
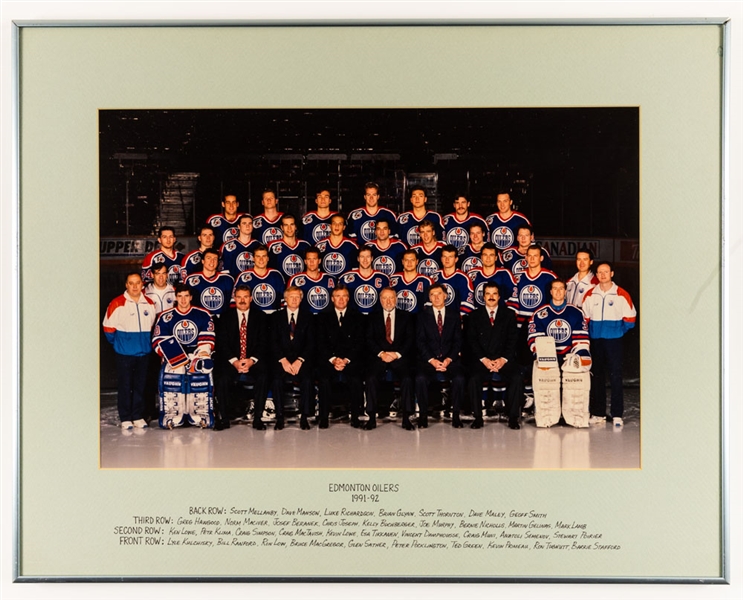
{"x":662,"y":520}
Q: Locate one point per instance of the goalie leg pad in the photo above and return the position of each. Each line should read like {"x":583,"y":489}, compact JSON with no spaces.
{"x":200,"y":399}
{"x":576,"y":388}
{"x":172,"y":394}
{"x":546,"y":383}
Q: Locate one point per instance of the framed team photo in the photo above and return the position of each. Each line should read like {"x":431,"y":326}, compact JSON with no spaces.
{"x":391,"y":316}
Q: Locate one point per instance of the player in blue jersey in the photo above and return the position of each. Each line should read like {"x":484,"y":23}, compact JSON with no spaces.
{"x":408,"y":222}
{"x":267,"y":285}
{"x":266,"y":226}
{"x":514,"y":258}
{"x":503,"y":225}
{"x":469,"y":255}
{"x":457,"y":224}
{"x":286,"y":254}
{"x":490,"y":273}
{"x":532,"y":288}
{"x":316,"y":223}
{"x":410,"y":286}
{"x":364,"y":284}
{"x":386,"y":251}
{"x":166,"y":254}
{"x":316,"y":286}
{"x":225,"y":225}
{"x":428,"y":250}
{"x":212,"y":290}
{"x":237,"y":254}
{"x":362,"y":221}
{"x":458,"y":287}
{"x":192,"y":261}
{"x":337,"y":252}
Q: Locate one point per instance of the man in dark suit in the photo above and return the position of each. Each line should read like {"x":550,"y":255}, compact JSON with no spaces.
{"x":241,"y":357}
{"x":292,"y":350}
{"x":390,"y":337}
{"x":439,"y":337}
{"x":340,"y":350}
{"x":492,"y":337}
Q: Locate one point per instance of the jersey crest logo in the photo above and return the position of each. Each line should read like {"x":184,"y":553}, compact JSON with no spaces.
{"x":471,"y":263}
{"x":403,"y":219}
{"x":507,"y":255}
{"x":320,"y":232}
{"x":271,"y":235}
{"x":230,"y":234}
{"x":355,"y":215}
{"x":258,"y":222}
{"x":306,"y":220}
{"x":428,"y":267}
{"x":212,"y":299}
{"x":167,"y":318}
{"x":384,"y":265}
{"x":502,"y":238}
{"x":217,"y":221}
{"x":413,"y":236}
{"x":479,"y":291}
{"x":292,"y":265}
{"x":530,"y":296}
{"x":193,"y":281}
{"x":348,"y":278}
{"x":245,"y":261}
{"x":449,"y":294}
{"x":334,"y":263}
{"x":299,"y":281}
{"x":365,"y":296}
{"x":519,"y":267}
{"x":264,"y":295}
{"x":318,"y":298}
{"x":368,"y":231}
{"x":560,"y":330}
{"x":542,"y":314}
{"x":406,"y":301}
{"x":174,"y":275}
{"x":457,"y":237}
{"x":230,"y":247}
{"x":185,"y":331}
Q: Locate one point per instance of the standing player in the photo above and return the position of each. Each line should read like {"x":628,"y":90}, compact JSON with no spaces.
{"x":315,"y":285}
{"x":469,"y":255}
{"x":337,"y":252}
{"x":285,"y":255}
{"x":167,"y":254}
{"x":458,"y":287}
{"x":580,"y":283}
{"x":225,"y":225}
{"x":490,"y":273}
{"x":266,"y":285}
{"x":410,"y":286}
{"x":316,"y":223}
{"x":266,"y":225}
{"x":192,"y":261}
{"x":532,"y":287}
{"x":362,"y":221}
{"x":457,"y":224}
{"x":364,"y":284}
{"x":237,"y":254}
{"x":386,"y":251}
{"x":514,"y":258}
{"x":408,"y":222}
{"x":504,"y":224}
{"x":429,"y":250}
{"x":212,"y":290}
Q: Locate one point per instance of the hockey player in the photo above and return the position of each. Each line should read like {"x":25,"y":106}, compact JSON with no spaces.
{"x":266,"y":225}
{"x":316,"y":223}
{"x":490,"y":273}
{"x":315,"y":285}
{"x":458,"y":287}
{"x":514,"y":258}
{"x":237,"y":254}
{"x":212,"y":289}
{"x":408,"y":222}
{"x":127,"y":325}
{"x":469,"y":255}
{"x":267,"y":285}
{"x":160,"y":291}
{"x":225,"y":225}
{"x":362,"y":221}
{"x":386,"y":251}
{"x":165,"y":254}
{"x":533,"y":285}
{"x":428,"y":250}
{"x":610,"y":314}
{"x":285,"y":255}
{"x":580,"y":283}
{"x":504,"y":224}
{"x":457,"y":224}
{"x":410,"y":285}
{"x":184,"y":338}
{"x":337,"y":252}
{"x":192,"y":261}
{"x":364,"y":284}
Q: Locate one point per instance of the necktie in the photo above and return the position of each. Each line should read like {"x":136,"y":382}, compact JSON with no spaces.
{"x":292,"y":326}
{"x":243,"y":338}
{"x":492,"y":317}
{"x":388,"y":329}
{"x":340,"y":319}
{"x":440,"y":322}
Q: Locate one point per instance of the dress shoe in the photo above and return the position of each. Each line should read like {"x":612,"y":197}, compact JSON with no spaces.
{"x":323,"y":423}
{"x":355,"y":423}
{"x":304,"y":424}
{"x":370,"y":424}
{"x":279,"y":424}
{"x":477,"y":424}
{"x":220,"y":425}
{"x":407,"y":425}
{"x":259,"y":425}
{"x":513,"y":424}
{"x":456,"y":423}
{"x":423,"y":423}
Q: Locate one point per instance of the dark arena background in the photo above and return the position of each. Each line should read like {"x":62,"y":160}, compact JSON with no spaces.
{"x":574,"y":172}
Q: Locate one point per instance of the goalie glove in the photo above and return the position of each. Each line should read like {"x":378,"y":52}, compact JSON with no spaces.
{"x":576,"y":363}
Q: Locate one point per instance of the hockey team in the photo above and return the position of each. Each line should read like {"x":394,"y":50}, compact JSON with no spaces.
{"x":339,"y":309}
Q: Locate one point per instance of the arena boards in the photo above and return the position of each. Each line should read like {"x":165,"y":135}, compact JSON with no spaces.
{"x":660,"y":522}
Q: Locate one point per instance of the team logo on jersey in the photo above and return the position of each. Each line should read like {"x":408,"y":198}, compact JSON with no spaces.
{"x":356,"y":214}
{"x":458,"y":237}
{"x":384,"y":264}
{"x":230,"y":247}
{"x":264,"y":295}
{"x":404,"y":219}
{"x":368,"y":231}
{"x":349,"y":278}
{"x":542,"y":314}
{"x":471,"y":263}
{"x":146,"y":313}
{"x":195,"y":259}
{"x":230,"y":234}
{"x":168,"y":317}
{"x":480,"y":293}
{"x":244,"y":278}
{"x":449,"y":294}
{"x":299,"y":281}
{"x":519,"y":267}
{"x":193,"y":281}
{"x":365,"y":296}
{"x":244,"y":261}
{"x":530,"y":296}
{"x":334,"y":263}
{"x":428,"y":267}
{"x":320,"y":232}
{"x":174,"y":275}
{"x":413,"y":236}
{"x":271,"y":235}
{"x":560,"y":330}
{"x":502,"y":238}
{"x":292,"y":265}
{"x":185,"y":331}
{"x":212,"y":299}
{"x":406,"y":300}
{"x":258,"y":222}
{"x":169,"y":300}
{"x":216,"y":221}
{"x":318,"y":298}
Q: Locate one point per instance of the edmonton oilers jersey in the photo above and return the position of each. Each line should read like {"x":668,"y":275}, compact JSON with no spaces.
{"x":267,"y":290}
{"x":315,"y":227}
{"x":267,"y":231}
{"x":335,"y":260}
{"x":157,"y":257}
{"x":457,"y":233}
{"x":566,"y":324}
{"x":469,"y":258}
{"x":287,"y":260}
{"x":192,"y":329}
{"x":407,"y":227}
{"x":503,"y":232}
{"x":315,"y":292}
{"x":224,"y":229}
{"x":531,"y":293}
{"x":364,"y":291}
{"x":459,"y":292}
{"x":211,"y":294}
{"x":429,"y":262}
{"x":191,"y":264}
{"x":387,"y":261}
{"x":501,"y":277}
{"x":238,"y":257}
{"x":413,"y":294}
{"x":515,"y":261}
{"x":361,"y":225}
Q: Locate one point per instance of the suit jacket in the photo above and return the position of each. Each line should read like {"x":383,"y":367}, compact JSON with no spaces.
{"x":403,"y":339}
{"x":344,"y":342}
{"x":496,"y":341}
{"x":303,"y":344}
{"x":430,"y":343}
{"x":228,"y":336}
